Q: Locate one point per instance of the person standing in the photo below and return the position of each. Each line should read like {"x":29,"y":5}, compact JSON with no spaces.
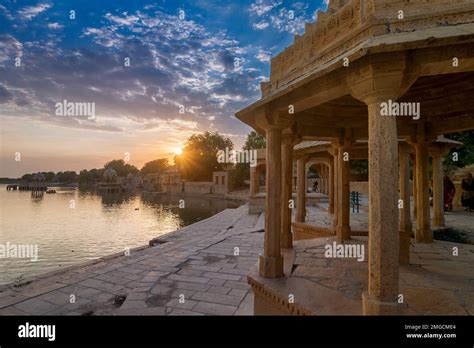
{"x":315,"y":186}
{"x":467,"y":198}
{"x":449,"y":193}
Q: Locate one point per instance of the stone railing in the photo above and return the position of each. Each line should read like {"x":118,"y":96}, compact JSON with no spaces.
{"x":303,"y":230}
{"x":270,"y":301}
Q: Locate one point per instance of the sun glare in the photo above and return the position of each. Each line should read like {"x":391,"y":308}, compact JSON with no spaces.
{"x":178,"y":151}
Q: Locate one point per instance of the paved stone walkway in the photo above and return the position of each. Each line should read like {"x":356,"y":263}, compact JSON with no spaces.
{"x":197,"y":271}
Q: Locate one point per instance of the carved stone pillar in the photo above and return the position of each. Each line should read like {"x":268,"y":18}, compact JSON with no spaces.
{"x":438,"y":191}
{"x":254,"y":181}
{"x":301,"y":189}
{"x":380,"y":81}
{"x":423,"y":232}
{"x":271,"y":262}
{"x":331,"y":187}
{"x":383,"y":213}
{"x":335,"y":153}
{"x":343,"y":230}
{"x":404,"y":212}
{"x":287,"y":173}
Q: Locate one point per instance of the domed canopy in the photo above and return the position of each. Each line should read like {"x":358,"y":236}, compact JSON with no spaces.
{"x":110,"y":173}
{"x":39,"y":177}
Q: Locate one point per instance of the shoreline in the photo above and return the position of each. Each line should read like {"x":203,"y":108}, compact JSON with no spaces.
{"x":195,"y":260}
{"x":151,"y":243}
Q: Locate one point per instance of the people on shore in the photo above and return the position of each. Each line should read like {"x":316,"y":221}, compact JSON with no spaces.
{"x":449,"y":191}
{"x":315,"y":186}
{"x":467,"y":198}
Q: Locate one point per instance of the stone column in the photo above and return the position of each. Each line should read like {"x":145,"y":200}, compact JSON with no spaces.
{"x":383,"y":212}
{"x":325,"y":180}
{"x":321,"y":178}
{"x":331,"y":188}
{"x":415,"y":190}
{"x":254,"y":181}
{"x":382,"y":80}
{"x":423,"y":231}
{"x":404,"y":216}
{"x":438,"y":190}
{"x":336,"y":188}
{"x":271,"y":262}
{"x":301,"y":189}
{"x":343,"y":230}
{"x":286,"y":191}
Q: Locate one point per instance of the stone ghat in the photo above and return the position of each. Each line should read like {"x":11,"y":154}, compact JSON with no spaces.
{"x":194,"y":271}
{"x":435,"y":282}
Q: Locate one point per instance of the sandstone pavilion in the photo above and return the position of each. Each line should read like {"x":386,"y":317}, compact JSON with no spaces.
{"x":326,"y":101}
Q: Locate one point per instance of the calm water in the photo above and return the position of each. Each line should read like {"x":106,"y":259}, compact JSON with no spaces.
{"x":96,"y":227}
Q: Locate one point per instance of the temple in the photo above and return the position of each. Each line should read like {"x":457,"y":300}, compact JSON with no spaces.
{"x":378,"y":80}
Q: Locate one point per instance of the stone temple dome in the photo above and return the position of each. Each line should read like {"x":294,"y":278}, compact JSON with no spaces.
{"x":110,"y":173}
{"x":39,"y":177}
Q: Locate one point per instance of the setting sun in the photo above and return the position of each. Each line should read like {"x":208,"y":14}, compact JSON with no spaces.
{"x":178,"y":151}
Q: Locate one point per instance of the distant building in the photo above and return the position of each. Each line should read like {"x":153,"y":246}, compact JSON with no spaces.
{"x":109,"y":182}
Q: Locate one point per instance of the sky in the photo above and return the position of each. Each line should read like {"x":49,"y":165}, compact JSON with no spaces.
{"x":155,"y":71}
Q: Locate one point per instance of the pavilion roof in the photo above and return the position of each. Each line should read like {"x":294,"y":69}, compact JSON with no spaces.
{"x":442,"y":139}
{"x":309,"y":143}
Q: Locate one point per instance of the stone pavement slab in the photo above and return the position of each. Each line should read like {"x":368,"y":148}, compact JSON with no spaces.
{"x":193,"y":271}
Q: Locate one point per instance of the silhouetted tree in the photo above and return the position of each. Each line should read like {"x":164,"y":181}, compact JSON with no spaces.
{"x":155,"y":166}
{"x":199,"y":157}
{"x":122,"y":168}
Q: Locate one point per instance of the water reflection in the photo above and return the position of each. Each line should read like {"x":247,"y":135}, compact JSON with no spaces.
{"x":96,"y":226}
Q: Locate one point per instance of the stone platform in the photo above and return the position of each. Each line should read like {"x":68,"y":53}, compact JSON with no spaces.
{"x":195,"y":271}
{"x":435,"y":282}
{"x":200,"y":264}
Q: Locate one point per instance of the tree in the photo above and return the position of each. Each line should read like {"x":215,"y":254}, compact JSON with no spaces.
{"x":68,"y":176}
{"x":155,"y":166}
{"x":90,"y":176}
{"x":465,"y":154}
{"x":49,"y":176}
{"x":199,"y":157}
{"x":27,"y":177}
{"x":122,"y":168}
{"x":254,"y":141}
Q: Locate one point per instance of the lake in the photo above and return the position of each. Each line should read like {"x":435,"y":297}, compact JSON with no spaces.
{"x":91,"y":226}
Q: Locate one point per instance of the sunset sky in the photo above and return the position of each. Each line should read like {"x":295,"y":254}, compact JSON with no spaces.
{"x":174,"y":62}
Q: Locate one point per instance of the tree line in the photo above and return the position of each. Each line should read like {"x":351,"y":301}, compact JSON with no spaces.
{"x":197,"y":162}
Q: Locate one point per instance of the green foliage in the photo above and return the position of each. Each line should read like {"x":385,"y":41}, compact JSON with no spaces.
{"x":254,"y":141}
{"x":359,"y":166}
{"x":68,"y":177}
{"x":50,"y":176}
{"x":122,"y":168}
{"x":312,"y":173}
{"x":90,"y":176}
{"x":465,"y":153}
{"x":240,"y":174}
{"x":27,"y":177}
{"x":155,"y":166}
{"x":199,"y":157}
